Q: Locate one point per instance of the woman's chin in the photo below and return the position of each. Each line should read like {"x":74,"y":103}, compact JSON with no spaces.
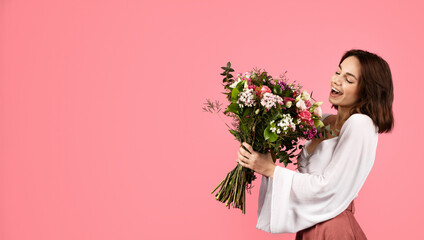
{"x":331,"y":101}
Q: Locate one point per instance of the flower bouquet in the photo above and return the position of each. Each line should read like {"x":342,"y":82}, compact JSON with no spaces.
{"x":271,"y":115}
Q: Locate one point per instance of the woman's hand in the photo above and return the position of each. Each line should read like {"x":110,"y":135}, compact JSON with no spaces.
{"x":261,"y":163}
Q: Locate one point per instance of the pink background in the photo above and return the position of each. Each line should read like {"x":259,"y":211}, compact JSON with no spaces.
{"x":102,"y":135}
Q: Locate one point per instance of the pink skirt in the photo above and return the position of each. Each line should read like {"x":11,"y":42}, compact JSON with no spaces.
{"x":343,"y":226}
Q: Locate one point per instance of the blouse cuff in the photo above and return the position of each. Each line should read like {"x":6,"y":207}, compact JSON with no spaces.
{"x":280,"y":201}
{"x":274,"y":209}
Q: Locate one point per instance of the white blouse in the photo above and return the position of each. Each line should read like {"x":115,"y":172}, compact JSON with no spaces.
{"x":329,"y":179}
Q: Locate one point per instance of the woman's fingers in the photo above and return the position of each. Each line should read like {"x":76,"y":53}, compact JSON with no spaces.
{"x":243,"y":163}
{"x":245,"y":152}
{"x":248,"y":147}
{"x":242,"y":156}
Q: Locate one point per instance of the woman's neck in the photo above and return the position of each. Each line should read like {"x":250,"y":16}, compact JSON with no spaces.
{"x":342,"y":115}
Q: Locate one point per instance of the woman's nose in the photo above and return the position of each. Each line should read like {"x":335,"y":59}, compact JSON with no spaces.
{"x":337,"y":80}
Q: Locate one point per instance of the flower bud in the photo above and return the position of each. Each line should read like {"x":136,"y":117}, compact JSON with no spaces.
{"x":318,"y":112}
{"x":257,"y":111}
{"x":246,"y":86}
{"x":289,"y":104}
{"x":305,"y":95}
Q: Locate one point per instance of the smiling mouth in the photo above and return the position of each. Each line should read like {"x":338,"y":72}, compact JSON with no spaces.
{"x":335,"y":92}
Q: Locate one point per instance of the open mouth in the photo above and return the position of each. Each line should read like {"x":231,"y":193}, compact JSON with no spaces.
{"x":335,"y":91}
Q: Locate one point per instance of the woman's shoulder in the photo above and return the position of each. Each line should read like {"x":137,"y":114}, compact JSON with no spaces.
{"x":360,"y":122}
{"x":360,"y":118}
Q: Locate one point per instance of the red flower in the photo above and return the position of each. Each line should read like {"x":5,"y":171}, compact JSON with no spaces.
{"x":305,"y":116}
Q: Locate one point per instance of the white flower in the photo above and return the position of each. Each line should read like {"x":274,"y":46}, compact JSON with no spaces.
{"x":247,"y":74}
{"x":247,"y":98}
{"x":286,"y":123}
{"x":234,"y":84}
{"x":270,"y":100}
{"x":301,"y":105}
{"x":305,"y":95}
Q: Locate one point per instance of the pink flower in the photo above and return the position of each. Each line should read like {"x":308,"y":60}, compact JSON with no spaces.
{"x":265,"y":89}
{"x":252,"y":87}
{"x":286,"y":99}
{"x":308,"y":103}
{"x":305,"y":115}
{"x":261,"y":90}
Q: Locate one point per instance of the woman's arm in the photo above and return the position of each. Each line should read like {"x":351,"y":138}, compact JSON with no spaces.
{"x":292,"y":201}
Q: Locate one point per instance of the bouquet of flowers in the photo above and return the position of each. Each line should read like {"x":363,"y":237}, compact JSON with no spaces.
{"x":271,"y":115}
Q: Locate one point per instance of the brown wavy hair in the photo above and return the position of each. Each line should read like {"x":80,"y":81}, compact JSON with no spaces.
{"x":375,"y":89}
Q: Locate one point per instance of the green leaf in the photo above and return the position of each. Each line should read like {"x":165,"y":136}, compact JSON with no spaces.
{"x":233,"y":107}
{"x":318,"y":124}
{"x":228,"y":64}
{"x":288,"y":94}
{"x":244,"y":128}
{"x":278,"y":116}
{"x":327,"y":128}
{"x":270,"y":136}
{"x":247,"y":111}
{"x":234,"y":94}
{"x":234,"y":133}
{"x":240,"y":85}
{"x":277,"y":89}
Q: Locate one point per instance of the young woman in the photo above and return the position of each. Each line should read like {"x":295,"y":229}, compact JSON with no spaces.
{"x":316,"y":200}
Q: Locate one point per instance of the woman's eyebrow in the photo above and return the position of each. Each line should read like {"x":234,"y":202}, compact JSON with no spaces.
{"x":348,"y":73}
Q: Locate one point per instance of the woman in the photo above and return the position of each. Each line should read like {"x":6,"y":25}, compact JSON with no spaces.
{"x":316,"y":200}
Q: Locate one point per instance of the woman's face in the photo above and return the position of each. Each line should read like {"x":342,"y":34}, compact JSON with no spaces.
{"x":344,"y":83}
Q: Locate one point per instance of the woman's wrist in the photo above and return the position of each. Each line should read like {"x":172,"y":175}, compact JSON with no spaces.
{"x":271,"y":171}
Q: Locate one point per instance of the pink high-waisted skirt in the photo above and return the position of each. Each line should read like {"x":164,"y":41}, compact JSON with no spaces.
{"x":343,"y":226}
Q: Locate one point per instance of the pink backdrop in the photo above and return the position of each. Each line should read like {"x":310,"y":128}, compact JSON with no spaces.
{"x":102,"y":135}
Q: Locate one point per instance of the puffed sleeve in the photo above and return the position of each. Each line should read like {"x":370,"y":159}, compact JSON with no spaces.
{"x":292,"y":201}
